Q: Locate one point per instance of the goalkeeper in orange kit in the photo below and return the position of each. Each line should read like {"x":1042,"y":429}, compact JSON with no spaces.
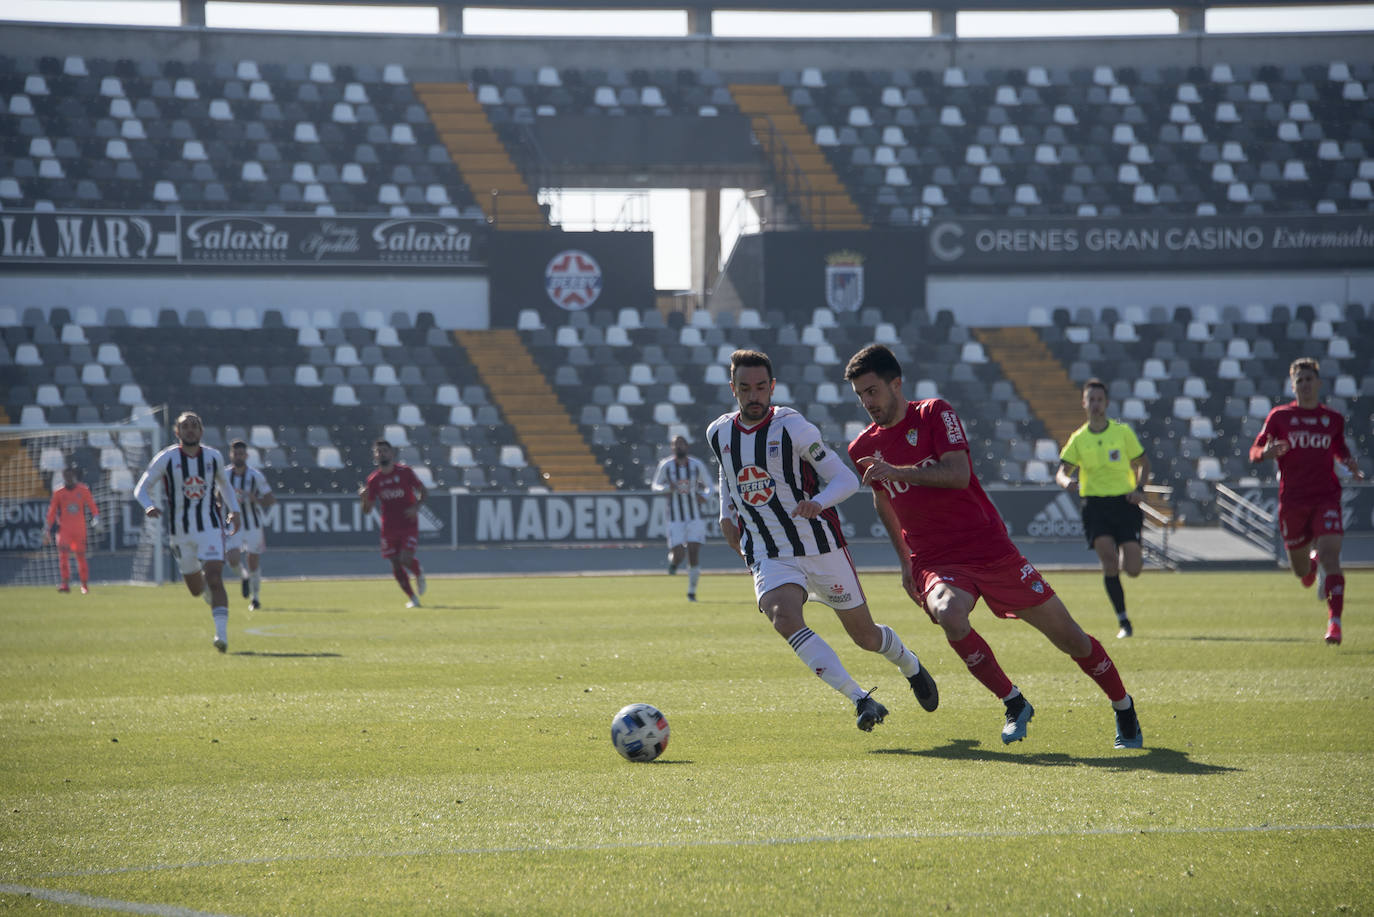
{"x":68,"y":508}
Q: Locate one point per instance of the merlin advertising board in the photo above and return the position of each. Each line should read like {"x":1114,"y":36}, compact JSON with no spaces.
{"x":240,"y":241}
{"x":956,"y":245}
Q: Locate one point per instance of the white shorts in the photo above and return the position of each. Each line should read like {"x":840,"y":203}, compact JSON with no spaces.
{"x":253,"y":542}
{"x":194,"y":549}
{"x":831,"y":577}
{"x":693,"y":531}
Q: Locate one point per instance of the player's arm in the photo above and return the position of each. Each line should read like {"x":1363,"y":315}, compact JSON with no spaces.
{"x":229,"y":497}
{"x":1346,"y":457}
{"x":365,"y":494}
{"x":840,"y":482}
{"x":1266,"y":444}
{"x":888,"y":514}
{"x":90,"y":505}
{"x":143,"y":489}
{"x":262,"y":492}
{"x":951,"y":471}
{"x":51,"y":517}
{"x":1067,"y":475}
{"x":1141,"y":466}
{"x":660,"y":481}
{"x":418,"y":491}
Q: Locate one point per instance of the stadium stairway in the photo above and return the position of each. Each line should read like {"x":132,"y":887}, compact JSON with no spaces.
{"x":823,"y":200}
{"x":19,"y":478}
{"x":481,"y":157}
{"x":1042,"y":382}
{"x":530,"y":406}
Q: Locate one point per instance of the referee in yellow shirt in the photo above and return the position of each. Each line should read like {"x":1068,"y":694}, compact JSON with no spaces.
{"x":1112,"y":473}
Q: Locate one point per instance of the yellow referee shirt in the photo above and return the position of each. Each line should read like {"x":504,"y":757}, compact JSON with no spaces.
{"x":1103,"y":459}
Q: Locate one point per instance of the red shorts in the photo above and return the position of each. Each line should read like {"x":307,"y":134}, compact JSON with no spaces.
{"x":1300,"y":523}
{"x":394,"y":543}
{"x":1008,"y":584}
{"x":69,"y":542}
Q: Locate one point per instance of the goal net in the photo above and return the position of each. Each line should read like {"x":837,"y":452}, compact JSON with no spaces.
{"x":124,"y":547}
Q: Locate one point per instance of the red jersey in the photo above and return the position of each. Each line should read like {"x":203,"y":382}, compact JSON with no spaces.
{"x":394,"y":491}
{"x":939,"y":524}
{"x":68,"y":509}
{"x":1316,"y":439}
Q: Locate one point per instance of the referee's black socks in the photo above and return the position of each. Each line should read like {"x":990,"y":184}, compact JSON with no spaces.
{"x":1115,"y":593}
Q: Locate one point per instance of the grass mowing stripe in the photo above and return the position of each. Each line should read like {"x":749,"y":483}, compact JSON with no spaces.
{"x":685,"y":845}
{"x":106,"y":904}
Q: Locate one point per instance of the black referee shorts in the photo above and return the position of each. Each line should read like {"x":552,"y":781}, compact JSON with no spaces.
{"x":1113,"y":516}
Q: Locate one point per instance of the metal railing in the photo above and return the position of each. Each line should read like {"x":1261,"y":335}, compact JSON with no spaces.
{"x":1247,"y":519}
{"x":1154,"y":537}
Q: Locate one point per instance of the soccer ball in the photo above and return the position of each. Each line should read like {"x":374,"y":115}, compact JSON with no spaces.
{"x":639,"y":732}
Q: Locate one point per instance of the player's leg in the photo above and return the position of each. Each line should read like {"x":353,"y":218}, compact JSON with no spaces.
{"x":879,"y":638}
{"x":253,"y":568}
{"x":1107,"y":554}
{"x":83,"y":570}
{"x":219,"y":601}
{"x":1328,"y":550}
{"x":64,"y":566}
{"x":412,"y":563}
{"x":1053,"y":620}
{"x":950,"y":606}
{"x":232,"y":559}
{"x":778,"y":585}
{"x":693,"y":569}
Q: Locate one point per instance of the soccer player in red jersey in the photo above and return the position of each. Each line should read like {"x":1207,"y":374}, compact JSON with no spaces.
{"x":1307,"y":439}
{"x":399,"y":492}
{"x":68,"y":509}
{"x":953,"y":544}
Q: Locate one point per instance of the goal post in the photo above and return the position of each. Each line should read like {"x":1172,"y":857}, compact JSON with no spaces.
{"x":126,"y":546}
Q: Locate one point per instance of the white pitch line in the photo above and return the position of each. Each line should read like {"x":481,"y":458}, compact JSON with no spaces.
{"x":77,"y":899}
{"x":662,"y":845}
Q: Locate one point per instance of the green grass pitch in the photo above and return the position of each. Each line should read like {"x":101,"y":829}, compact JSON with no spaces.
{"x":350,"y":756}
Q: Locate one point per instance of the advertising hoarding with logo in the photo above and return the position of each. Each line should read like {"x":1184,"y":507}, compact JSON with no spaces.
{"x":182,"y":240}
{"x":959,"y":245}
{"x":844,"y":272}
{"x":557,"y":273}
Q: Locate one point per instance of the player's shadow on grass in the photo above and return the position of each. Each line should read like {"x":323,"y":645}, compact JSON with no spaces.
{"x":269,"y":655}
{"x":1160,"y":760}
{"x":286,"y":609}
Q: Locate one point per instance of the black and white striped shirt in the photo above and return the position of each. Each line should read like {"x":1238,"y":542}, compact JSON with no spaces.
{"x":249,"y":484}
{"x":766,"y":470}
{"x":685,"y":485}
{"x":188,"y":484}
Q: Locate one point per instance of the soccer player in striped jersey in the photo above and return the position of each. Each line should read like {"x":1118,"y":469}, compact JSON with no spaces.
{"x":250,"y":541}
{"x":953,"y":544}
{"x":772,"y":462}
{"x":185,"y":479}
{"x":68,"y":509}
{"x":688,"y":482}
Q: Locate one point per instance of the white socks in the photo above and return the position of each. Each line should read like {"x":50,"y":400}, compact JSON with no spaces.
{"x":255,"y":582}
{"x":895,"y":652}
{"x":221,"y":615}
{"x":693,"y":574}
{"x":821,"y":659}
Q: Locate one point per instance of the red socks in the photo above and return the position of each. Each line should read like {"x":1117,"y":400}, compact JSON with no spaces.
{"x":982,"y":665}
{"x":1100,"y":668}
{"x":400,"y":573}
{"x":1335,"y":594}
